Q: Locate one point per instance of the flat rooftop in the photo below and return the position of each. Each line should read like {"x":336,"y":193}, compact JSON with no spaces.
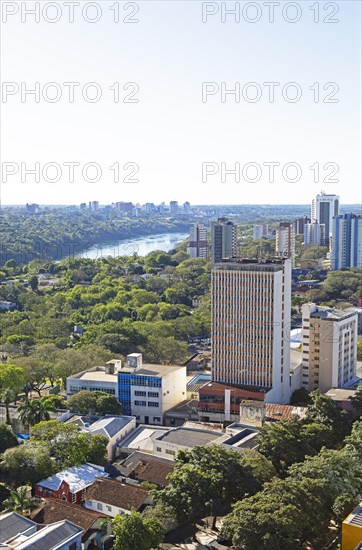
{"x":142,"y":438}
{"x":339,"y":394}
{"x":152,"y":370}
{"x":96,"y":376}
{"x":251,"y":264}
{"x":188,"y":437}
{"x":330,"y":314}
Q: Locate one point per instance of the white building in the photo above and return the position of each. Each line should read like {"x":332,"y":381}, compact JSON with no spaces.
{"x":95,"y":379}
{"x":114,"y":428}
{"x":223,"y":240}
{"x":251,"y":306}
{"x":285,"y":241}
{"x":324,"y":208}
{"x":199,"y":247}
{"x":329,"y":347}
{"x":314,"y":234}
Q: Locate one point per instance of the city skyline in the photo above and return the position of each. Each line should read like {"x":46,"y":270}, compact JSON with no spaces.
{"x":180,"y":136}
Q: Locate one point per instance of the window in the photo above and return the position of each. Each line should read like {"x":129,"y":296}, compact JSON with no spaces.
{"x":169,"y":452}
{"x":109,"y":508}
{"x":140,"y":403}
{"x":157,"y":419}
{"x":153,"y":404}
{"x":99,"y":506}
{"x":152,"y":394}
{"x":74,"y":497}
{"x":158,"y":449}
{"x":140,"y":393}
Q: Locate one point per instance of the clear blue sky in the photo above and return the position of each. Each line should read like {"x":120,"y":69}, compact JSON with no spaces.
{"x":170,"y":132}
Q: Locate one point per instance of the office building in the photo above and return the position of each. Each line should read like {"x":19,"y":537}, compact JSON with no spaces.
{"x":223,"y":240}
{"x":251,"y":304}
{"x":174,"y":208}
{"x":285,"y":241}
{"x":148,"y":391}
{"x":329,"y":347}
{"x":314,"y":234}
{"x":324,"y":209}
{"x":346,"y":241}
{"x":93,"y":205}
{"x":199,"y":247}
{"x":145,"y":391}
{"x":299,"y":225}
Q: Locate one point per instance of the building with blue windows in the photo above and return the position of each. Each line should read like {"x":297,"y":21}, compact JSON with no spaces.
{"x":145,"y":391}
{"x":346,"y":241}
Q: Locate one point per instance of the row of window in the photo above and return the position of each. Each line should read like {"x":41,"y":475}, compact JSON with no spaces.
{"x":143,"y":393}
{"x":92,"y":388}
{"x":144,"y":404}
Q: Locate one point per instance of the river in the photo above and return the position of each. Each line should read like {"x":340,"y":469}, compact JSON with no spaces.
{"x":138,"y":245}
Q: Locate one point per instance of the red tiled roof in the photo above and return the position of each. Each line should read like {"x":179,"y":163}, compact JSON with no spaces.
{"x":51,"y":511}
{"x":116,"y":493}
{"x":282,"y":412}
{"x":152,"y":471}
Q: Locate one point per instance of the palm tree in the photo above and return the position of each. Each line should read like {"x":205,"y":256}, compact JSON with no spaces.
{"x":19,"y":500}
{"x":32,"y":411}
{"x":7,"y":396}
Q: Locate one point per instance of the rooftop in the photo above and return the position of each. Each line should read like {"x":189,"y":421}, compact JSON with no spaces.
{"x":355,"y":518}
{"x":77,"y":477}
{"x":188,"y":437}
{"x":12,"y":524}
{"x":142,"y":437}
{"x":116,"y":493}
{"x":96,"y":375}
{"x":331,"y":314}
{"x":152,"y":370}
{"x":50,"y":537}
{"x":51,"y":511}
{"x":109,"y":427}
{"x":283,"y":412}
{"x":339,"y":394}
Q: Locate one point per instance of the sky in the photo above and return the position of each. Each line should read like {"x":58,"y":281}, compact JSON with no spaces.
{"x":163,"y":120}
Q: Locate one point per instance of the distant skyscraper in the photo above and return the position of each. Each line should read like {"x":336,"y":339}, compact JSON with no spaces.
{"x":329,"y":347}
{"x":199,"y":247}
{"x":347,"y":241}
{"x":324,"y":209}
{"x":174,"y":207}
{"x":251,"y":305}
{"x":260,"y":230}
{"x":299,"y":225}
{"x":93,"y":205}
{"x":285,"y":241}
{"x":223,"y":240}
{"x":314,"y":234}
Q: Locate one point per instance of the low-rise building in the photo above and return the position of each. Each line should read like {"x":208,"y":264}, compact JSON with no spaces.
{"x":352,"y":530}
{"x":114,"y":428}
{"x":94,"y":528}
{"x":19,"y":533}
{"x":70,"y":484}
{"x":141,"y":439}
{"x":112,"y":497}
{"x":143,"y":467}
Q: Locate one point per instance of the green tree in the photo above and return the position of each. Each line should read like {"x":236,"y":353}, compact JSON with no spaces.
{"x":209,"y":479}
{"x":7,"y":438}
{"x":32,"y":411}
{"x":27,"y":464}
{"x":20,"y":501}
{"x":357,"y":401}
{"x":33,"y":283}
{"x":131,"y":532}
{"x":94,"y":402}
{"x":12,"y":380}
{"x":324,"y":410}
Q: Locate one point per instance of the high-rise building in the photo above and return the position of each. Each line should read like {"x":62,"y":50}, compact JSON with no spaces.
{"x":251,"y":305}
{"x":93,"y":205}
{"x":223,"y":240}
{"x":314,"y":234}
{"x":285,"y":241}
{"x":329,"y":347}
{"x":324,"y":209}
{"x":346,"y":241}
{"x":199,"y":247}
{"x":299,"y":225}
{"x":260,"y":230}
{"x":174,"y":208}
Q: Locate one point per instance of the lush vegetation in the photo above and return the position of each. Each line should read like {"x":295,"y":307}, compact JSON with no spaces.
{"x":95,"y":402}
{"x":57,"y":233}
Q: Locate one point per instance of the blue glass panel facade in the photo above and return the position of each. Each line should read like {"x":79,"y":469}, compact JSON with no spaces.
{"x":124,"y":392}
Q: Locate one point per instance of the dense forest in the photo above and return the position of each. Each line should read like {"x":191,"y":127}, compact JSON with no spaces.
{"x":58,"y":233}
{"x":150,"y":304}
